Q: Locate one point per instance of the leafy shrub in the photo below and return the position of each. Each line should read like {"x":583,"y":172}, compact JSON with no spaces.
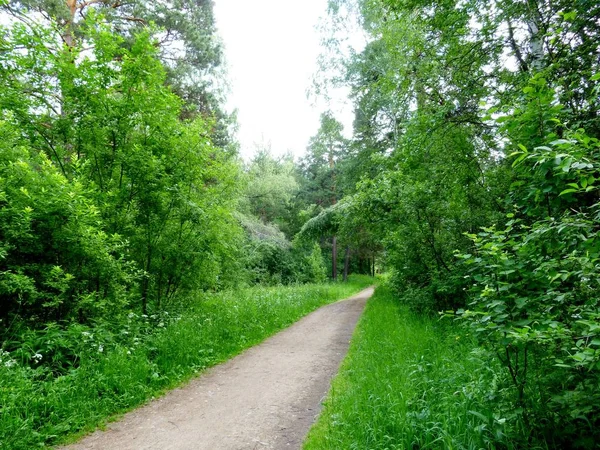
{"x":317,"y":273}
{"x":56,"y":261}
{"x":535,"y":300}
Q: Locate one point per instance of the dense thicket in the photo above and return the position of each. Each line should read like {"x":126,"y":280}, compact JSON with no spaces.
{"x":108,"y":195}
{"x":271,"y":213}
{"x":476,"y":128}
{"x":113,"y":198}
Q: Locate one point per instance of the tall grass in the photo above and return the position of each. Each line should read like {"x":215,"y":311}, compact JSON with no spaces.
{"x":43,"y":407}
{"x":411,"y":382}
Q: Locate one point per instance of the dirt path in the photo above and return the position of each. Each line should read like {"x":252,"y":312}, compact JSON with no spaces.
{"x":265,"y":398}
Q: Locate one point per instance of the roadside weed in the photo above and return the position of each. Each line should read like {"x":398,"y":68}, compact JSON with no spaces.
{"x":111,"y":371}
{"x":411,"y":382}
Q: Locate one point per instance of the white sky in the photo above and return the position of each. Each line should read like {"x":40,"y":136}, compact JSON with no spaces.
{"x":271,"y":49}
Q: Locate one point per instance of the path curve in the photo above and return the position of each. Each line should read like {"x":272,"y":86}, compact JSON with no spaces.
{"x":265,"y":398}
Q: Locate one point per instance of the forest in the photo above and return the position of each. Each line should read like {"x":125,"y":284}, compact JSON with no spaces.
{"x":470,"y":186}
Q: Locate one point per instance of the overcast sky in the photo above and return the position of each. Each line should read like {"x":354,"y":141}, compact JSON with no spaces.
{"x":271,"y":49}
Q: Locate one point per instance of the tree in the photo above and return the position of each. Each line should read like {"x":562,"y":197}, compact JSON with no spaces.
{"x":107,"y":120}
{"x":271,"y":186}
{"x":188,"y":46}
{"x":320,"y":168}
{"x":57,"y":262}
{"x":447,"y":94}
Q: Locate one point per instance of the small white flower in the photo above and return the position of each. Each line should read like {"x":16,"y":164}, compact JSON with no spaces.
{"x":10,"y":363}
{"x":100,"y":348}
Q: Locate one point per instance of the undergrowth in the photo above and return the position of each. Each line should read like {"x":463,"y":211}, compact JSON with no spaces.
{"x":413,"y":382}
{"x":44,"y":401}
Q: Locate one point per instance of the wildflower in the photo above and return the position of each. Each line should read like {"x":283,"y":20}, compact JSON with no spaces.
{"x":100,"y":348}
{"x":37,"y":357}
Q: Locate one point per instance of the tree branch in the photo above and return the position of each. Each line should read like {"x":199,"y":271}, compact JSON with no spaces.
{"x":515,"y":48}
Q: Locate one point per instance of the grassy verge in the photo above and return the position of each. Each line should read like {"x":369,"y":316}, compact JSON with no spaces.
{"x":410,"y":382}
{"x":38,"y":408}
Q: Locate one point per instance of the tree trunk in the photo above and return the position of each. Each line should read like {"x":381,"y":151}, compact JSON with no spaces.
{"x":68,"y":34}
{"x":346,"y":263}
{"x":373,"y":271}
{"x":334,"y":259}
{"x":536,"y":42}
{"x":146,"y":280}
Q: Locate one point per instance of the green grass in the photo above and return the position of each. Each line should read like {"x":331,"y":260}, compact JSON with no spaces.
{"x":115,"y":375}
{"x":410,"y":382}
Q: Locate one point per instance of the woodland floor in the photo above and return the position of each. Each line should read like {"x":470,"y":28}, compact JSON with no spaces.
{"x":265,"y":398}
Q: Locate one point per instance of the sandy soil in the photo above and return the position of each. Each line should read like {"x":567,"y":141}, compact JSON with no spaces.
{"x":265,"y":398}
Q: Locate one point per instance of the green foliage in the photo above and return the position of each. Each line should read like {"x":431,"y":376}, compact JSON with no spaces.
{"x":443,"y":93}
{"x":321,"y":165}
{"x":412,"y":382}
{"x":120,"y":368}
{"x":110,"y":125}
{"x":272,"y":214}
{"x":422,"y":150}
{"x":269,"y":190}
{"x":426,"y":87}
{"x":187,"y":48}
{"x":316,"y":268}
{"x":327,"y":222}
{"x":270,"y":259}
{"x":57,"y":261}
{"x":534,"y":295}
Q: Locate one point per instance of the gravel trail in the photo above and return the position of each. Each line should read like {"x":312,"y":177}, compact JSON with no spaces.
{"x":264,"y":398}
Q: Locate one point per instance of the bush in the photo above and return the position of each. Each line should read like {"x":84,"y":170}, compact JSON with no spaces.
{"x":534,"y":290}
{"x":56,"y":261}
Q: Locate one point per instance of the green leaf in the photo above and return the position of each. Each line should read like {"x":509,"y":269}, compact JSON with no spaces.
{"x":478,"y":414}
